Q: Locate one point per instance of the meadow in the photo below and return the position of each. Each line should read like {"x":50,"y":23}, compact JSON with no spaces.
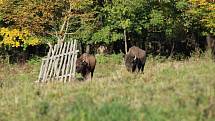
{"x":169,"y":90}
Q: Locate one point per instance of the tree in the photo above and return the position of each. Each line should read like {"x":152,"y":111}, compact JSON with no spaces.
{"x":120,"y":18}
{"x":44,"y":18}
{"x":159,"y":25}
{"x":204,"y":10}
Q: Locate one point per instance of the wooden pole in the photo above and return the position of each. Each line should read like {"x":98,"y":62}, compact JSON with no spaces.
{"x":125,"y":39}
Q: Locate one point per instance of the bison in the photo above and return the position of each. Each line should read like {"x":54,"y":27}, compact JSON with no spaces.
{"x":135,"y":59}
{"x":85,"y":65}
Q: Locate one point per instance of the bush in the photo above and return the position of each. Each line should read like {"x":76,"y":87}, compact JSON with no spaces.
{"x":113,"y":58}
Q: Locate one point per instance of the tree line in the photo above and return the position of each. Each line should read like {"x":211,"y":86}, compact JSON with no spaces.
{"x":164,"y":27}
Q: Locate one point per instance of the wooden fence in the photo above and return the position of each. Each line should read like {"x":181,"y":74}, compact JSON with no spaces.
{"x":59,"y":65}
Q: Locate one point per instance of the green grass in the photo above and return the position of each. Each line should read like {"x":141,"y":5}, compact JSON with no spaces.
{"x":167,"y":91}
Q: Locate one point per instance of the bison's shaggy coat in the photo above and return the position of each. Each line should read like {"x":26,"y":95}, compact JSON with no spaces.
{"x":85,"y":65}
{"x":135,"y":59}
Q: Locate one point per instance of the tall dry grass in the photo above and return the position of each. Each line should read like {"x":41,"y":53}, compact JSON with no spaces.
{"x":168,"y":90}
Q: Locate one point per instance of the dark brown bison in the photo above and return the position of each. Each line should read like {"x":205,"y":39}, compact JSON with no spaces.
{"x":135,"y":59}
{"x":85,"y":65}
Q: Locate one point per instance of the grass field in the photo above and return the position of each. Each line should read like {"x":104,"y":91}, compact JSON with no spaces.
{"x":168,"y":90}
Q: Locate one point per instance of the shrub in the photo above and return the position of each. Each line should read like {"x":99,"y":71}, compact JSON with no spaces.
{"x":17,"y":38}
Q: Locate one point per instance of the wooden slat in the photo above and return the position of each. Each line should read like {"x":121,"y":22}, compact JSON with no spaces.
{"x":74,"y":56}
{"x":54,"y":62}
{"x":69,"y":64}
{"x":57,"y":59}
{"x":61,"y":61}
{"x":50,"y":63}
{"x":65,"y":60}
{"x":41,"y":72}
{"x":46,"y":65}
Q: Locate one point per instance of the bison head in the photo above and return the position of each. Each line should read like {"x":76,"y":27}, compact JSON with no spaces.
{"x":81,"y":65}
{"x":130,"y":62}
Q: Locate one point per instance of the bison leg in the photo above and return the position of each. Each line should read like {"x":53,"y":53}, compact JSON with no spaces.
{"x":87,"y":76}
{"x":133,"y":68}
{"x":142,"y":68}
{"x":92,"y":73}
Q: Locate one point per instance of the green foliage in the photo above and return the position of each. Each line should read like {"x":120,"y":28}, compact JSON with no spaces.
{"x":182,"y":5}
{"x":34,"y":61}
{"x":114,"y":58}
{"x":85,"y":33}
{"x":203,"y":11}
{"x":43,"y":108}
{"x":116,"y":36}
{"x":105,"y":35}
{"x":46,"y":17}
{"x":95,"y":22}
{"x":102,"y":35}
{"x":1,"y":17}
{"x":156,"y":19}
{"x":101,"y":59}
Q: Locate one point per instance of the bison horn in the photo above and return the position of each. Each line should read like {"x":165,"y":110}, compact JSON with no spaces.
{"x":135,"y":57}
{"x":83,"y":61}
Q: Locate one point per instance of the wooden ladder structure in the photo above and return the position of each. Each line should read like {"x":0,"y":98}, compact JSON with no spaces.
{"x":60,"y":63}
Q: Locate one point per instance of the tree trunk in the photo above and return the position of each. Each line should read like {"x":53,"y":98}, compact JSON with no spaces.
{"x":211,"y":45}
{"x":125,"y":39}
{"x":88,"y":49}
{"x":172,"y":50}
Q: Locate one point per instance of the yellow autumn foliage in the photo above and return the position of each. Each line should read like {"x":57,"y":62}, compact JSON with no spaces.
{"x":1,"y":1}
{"x":17,"y":38}
{"x":206,"y":11}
